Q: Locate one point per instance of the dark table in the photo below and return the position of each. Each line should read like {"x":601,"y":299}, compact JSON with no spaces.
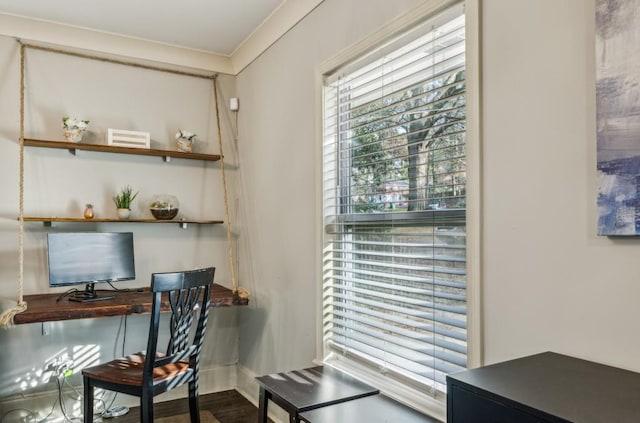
{"x":371,"y":409}
{"x":302,"y":390}
{"x":545,"y":387}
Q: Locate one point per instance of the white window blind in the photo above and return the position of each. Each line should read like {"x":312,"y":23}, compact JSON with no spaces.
{"x":394,"y":186}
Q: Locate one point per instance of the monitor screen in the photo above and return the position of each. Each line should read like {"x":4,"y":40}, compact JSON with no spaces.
{"x":88,"y":257}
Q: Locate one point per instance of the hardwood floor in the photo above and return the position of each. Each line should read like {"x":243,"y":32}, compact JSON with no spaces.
{"x":226,"y":406}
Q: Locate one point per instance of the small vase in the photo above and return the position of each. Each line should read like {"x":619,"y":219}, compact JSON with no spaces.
{"x":88,"y":212}
{"x":184,"y":145}
{"x":74,"y":135}
{"x":124,"y":213}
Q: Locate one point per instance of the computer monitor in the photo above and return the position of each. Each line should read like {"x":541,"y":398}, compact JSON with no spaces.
{"x":77,"y":258}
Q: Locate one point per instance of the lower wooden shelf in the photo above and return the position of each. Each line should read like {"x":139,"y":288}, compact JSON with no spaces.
{"x":46,"y":308}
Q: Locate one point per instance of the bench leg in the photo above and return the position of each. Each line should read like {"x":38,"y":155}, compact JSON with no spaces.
{"x":262,"y":406}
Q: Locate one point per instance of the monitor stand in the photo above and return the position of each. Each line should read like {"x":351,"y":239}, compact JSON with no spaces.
{"x":89,"y":294}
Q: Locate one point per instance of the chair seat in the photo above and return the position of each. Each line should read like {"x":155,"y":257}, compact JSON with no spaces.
{"x":128,"y":370}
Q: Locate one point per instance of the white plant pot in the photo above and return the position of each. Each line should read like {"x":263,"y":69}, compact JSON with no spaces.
{"x":73,"y":135}
{"x":124,"y":213}
{"x":184,"y":145}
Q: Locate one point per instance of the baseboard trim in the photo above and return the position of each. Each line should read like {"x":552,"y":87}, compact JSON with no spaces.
{"x":246,"y":385}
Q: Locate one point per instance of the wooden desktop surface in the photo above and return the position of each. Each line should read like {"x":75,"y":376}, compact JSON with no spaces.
{"x":45,"y":308}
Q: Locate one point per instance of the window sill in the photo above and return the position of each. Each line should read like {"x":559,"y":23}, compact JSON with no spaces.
{"x":418,"y":400}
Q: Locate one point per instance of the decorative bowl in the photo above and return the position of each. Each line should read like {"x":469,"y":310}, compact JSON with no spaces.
{"x":164,"y":206}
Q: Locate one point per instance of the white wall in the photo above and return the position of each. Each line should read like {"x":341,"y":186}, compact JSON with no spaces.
{"x":548,"y":282}
{"x":59,"y":184}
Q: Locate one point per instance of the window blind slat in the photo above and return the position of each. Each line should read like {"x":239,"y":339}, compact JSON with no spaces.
{"x":405,"y":359}
{"x":437,"y":294}
{"x":406,"y":300}
{"x":447,"y":319}
{"x":417,"y":332}
{"x":396,"y":334}
{"x":406,"y":348}
{"x":410,"y":100}
{"x":431,"y":281}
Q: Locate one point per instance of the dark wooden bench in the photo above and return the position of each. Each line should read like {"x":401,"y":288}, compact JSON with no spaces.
{"x":307,"y":389}
{"x":372,"y":409}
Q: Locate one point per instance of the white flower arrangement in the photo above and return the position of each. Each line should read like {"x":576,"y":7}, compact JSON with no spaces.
{"x":73,"y":123}
{"x":186,"y":135}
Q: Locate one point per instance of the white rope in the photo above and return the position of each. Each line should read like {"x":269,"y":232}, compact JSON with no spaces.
{"x":6,"y":319}
{"x":239,"y":292}
{"x":118,"y":62}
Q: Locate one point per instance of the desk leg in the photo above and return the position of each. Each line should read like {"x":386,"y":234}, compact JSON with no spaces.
{"x":262,"y":406}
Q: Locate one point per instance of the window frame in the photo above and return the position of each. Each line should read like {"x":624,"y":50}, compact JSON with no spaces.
{"x":434,"y":406}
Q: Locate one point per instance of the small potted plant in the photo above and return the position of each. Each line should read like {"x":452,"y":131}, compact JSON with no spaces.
{"x":74,"y":128}
{"x":123,"y":201}
{"x":185,"y":140}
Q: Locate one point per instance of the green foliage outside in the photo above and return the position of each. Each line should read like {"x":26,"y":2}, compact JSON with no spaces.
{"x":413,"y":143}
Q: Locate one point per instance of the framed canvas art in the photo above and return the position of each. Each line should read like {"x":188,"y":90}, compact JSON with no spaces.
{"x":618,"y":116}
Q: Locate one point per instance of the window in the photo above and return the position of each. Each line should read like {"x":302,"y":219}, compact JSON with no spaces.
{"x":394,"y":207}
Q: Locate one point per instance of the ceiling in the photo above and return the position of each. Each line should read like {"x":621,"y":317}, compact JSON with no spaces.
{"x":214,"y":26}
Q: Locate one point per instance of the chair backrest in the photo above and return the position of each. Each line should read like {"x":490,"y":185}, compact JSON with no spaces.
{"x":186,"y":292}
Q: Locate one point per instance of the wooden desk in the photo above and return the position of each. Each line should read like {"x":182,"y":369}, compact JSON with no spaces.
{"x":372,"y":409}
{"x":307,"y":389}
{"x":546,"y":387}
{"x":45,"y":308}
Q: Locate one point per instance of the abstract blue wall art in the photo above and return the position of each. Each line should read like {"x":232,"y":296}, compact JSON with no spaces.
{"x":618,"y":116}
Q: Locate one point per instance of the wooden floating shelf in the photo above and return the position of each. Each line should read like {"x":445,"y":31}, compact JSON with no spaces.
{"x":49,"y":221}
{"x":47,"y":308}
{"x":165,"y":154}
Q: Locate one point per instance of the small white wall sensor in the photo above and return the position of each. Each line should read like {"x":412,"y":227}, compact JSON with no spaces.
{"x":234,"y":105}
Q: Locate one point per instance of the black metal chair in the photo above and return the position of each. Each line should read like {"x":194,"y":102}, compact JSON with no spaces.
{"x":149,"y":373}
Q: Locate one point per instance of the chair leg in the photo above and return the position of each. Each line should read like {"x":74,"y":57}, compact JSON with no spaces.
{"x":88,"y":400}
{"x":146,"y":407}
{"x":194,"y":406}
